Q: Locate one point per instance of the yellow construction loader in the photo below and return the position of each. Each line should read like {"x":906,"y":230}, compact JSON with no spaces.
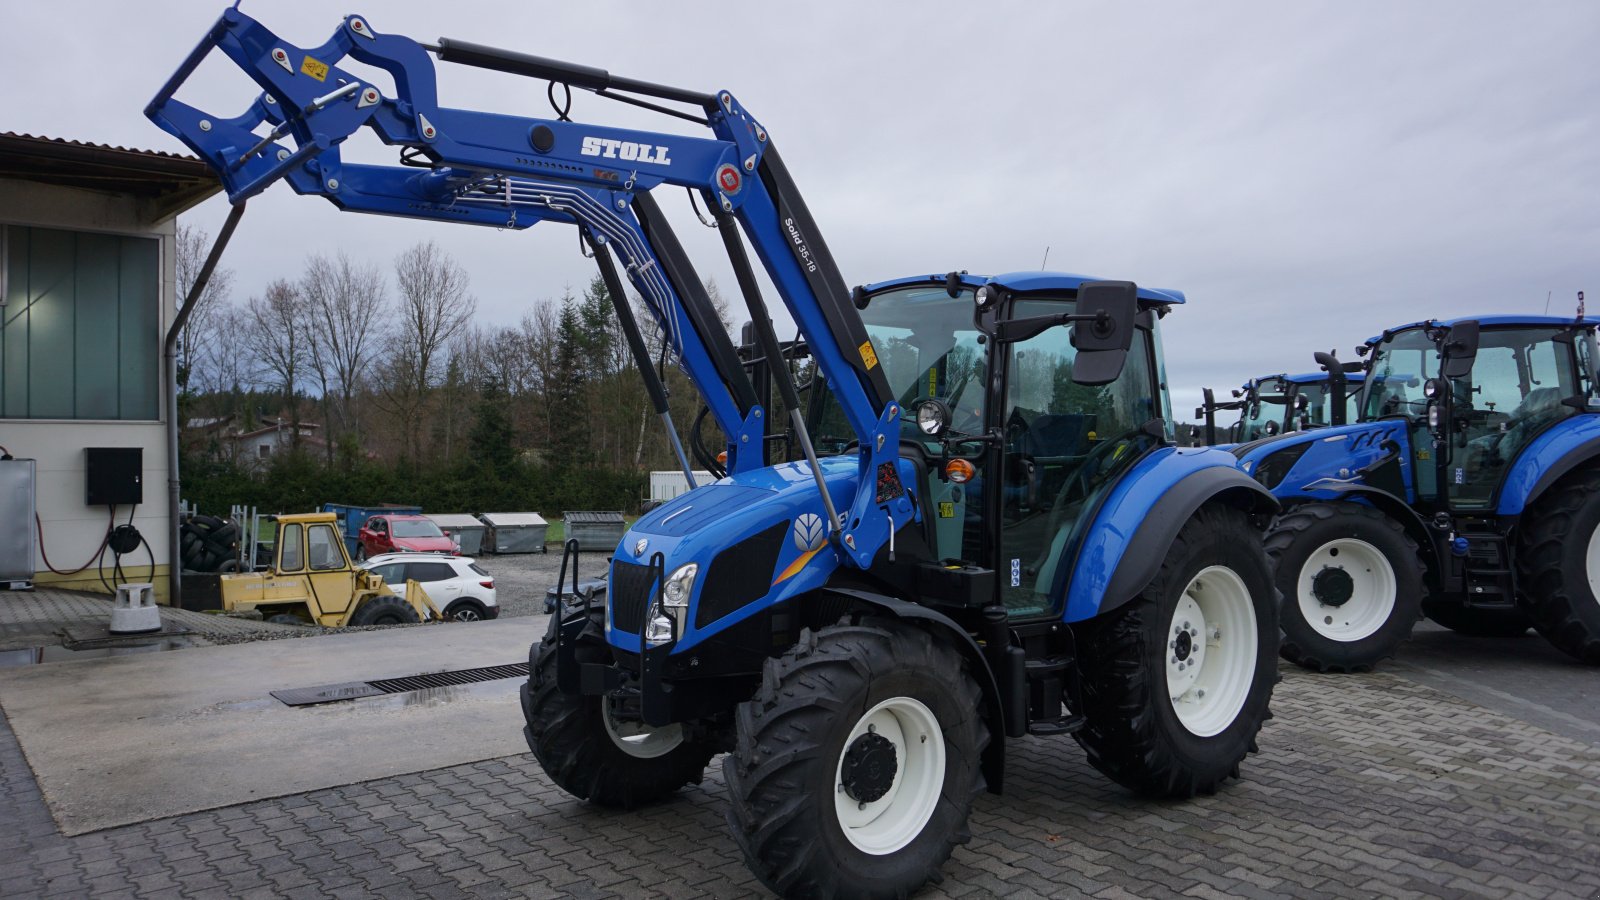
{"x":311,"y":581}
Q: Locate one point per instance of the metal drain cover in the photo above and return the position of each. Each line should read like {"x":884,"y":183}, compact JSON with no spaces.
{"x":355,"y":690}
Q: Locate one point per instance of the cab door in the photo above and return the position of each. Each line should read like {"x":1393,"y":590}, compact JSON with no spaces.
{"x":1064,"y":446}
{"x":328,"y":570}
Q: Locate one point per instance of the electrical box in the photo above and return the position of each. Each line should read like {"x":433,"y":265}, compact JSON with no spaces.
{"x":115,"y":476}
{"x":16,"y":523}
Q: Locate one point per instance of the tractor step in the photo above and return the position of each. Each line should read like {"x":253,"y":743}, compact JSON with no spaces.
{"x":1057,"y":726}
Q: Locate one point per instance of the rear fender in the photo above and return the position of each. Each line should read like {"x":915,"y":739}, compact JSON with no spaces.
{"x":1142,"y":516}
{"x":993,"y":763}
{"x":1559,"y":450}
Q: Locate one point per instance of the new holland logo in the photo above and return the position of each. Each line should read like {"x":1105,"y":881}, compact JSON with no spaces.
{"x":614,"y":149}
{"x":808,"y":533}
{"x":641,"y":546}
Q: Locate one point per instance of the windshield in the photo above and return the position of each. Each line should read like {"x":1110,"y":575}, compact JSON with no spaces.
{"x":1394,"y":381}
{"x":1263,"y":410}
{"x":415,"y":528}
{"x":928,"y":347}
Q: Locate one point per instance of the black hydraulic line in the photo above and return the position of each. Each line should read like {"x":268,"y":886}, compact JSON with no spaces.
{"x":1210,"y":408}
{"x":170,"y":357}
{"x":816,"y":261}
{"x":760,"y":318}
{"x":678,"y":271}
{"x":484,"y":57}
{"x":641,"y":354}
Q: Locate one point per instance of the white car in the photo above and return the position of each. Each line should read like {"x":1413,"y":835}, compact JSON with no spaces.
{"x":460,"y":587}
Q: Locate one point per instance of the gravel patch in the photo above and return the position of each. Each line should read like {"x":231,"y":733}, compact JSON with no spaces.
{"x":520,"y":579}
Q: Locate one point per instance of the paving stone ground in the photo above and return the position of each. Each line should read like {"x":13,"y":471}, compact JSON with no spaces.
{"x":1366,"y":786}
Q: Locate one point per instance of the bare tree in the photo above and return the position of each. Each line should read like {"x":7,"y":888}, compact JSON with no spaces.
{"x":344,"y":315}
{"x":201,"y":343}
{"x":275,"y":336}
{"x":434,"y":306}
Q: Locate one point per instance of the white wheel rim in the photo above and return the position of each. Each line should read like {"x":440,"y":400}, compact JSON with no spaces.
{"x":1211,"y":651}
{"x":640,"y":740}
{"x":1372,"y":597}
{"x":890,"y":822}
{"x":1592,"y":564}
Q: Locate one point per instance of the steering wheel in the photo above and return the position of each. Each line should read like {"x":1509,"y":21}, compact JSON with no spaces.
{"x":1093,"y":470}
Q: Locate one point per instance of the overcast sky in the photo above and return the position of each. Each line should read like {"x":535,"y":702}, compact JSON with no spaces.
{"x":1307,"y":172}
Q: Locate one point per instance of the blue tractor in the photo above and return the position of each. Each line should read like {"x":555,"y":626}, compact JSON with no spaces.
{"x":1469,"y":492}
{"x":998,"y":537}
{"x":1280,"y":404}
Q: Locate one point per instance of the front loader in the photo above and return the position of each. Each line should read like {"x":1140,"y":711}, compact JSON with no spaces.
{"x":1002,"y":539}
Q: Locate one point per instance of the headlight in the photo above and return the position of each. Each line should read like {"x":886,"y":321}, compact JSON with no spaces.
{"x":985,"y":296}
{"x":658,"y":631}
{"x":933,"y":416}
{"x":1430,"y":388}
{"x":1433,"y":415}
{"x":678,"y":587}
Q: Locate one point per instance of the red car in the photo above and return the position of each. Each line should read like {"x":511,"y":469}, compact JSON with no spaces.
{"x":391,"y":534}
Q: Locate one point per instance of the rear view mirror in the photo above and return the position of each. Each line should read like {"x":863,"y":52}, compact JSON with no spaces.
{"x":1459,"y":349}
{"x":1103,"y":341}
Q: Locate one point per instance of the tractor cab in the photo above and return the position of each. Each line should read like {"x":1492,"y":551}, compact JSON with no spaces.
{"x":1280,"y":404}
{"x":1475,"y":394}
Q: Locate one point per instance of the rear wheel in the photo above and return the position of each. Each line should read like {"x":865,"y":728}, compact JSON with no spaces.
{"x":856,"y":763}
{"x":1477,"y":621}
{"x":1558,"y":563}
{"x":592,"y":755}
{"x":467,"y":611}
{"x":1352,"y":585}
{"x":384,"y":609}
{"x":1177,"y":681}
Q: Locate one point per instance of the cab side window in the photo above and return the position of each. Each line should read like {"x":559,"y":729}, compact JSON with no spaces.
{"x":324,"y":550}
{"x":293,"y":557}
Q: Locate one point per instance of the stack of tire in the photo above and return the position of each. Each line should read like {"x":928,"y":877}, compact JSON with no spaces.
{"x":209,"y":544}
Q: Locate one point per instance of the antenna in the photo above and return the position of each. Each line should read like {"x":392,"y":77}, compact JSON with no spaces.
{"x":1547,"y":302}
{"x":1046,"y":258}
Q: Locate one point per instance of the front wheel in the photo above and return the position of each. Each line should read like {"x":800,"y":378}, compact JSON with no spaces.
{"x":856,"y":762}
{"x":1352,"y":584}
{"x":1177,"y":681}
{"x":1558,"y":564}
{"x":589,"y":753}
{"x":385,"y":609}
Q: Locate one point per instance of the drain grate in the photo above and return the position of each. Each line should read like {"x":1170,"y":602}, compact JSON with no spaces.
{"x":354,"y":690}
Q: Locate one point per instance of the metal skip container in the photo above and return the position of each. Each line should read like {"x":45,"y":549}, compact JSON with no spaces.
{"x":467,"y":531}
{"x":594,"y":530}
{"x":16,"y":522}
{"x":515,"y":532}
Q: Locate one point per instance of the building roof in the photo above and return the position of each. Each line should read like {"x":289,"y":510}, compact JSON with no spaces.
{"x":170,"y":182}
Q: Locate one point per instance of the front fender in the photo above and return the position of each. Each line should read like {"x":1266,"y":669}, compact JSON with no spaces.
{"x":1138,"y":521}
{"x":1555,"y":452}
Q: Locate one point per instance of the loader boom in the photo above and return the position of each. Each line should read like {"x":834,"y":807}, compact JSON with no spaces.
{"x":510,"y":172}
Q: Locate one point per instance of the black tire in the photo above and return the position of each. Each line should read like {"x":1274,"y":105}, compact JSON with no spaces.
{"x":1133,"y":734}
{"x":568,"y":734}
{"x":287,"y":619}
{"x":384,"y":609}
{"x":229,"y":565}
{"x":1553,"y":566}
{"x":467,"y":610}
{"x":1476,"y":621}
{"x":1299,"y":534}
{"x":791,"y":740}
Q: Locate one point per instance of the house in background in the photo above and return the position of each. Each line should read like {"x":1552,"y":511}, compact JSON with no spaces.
{"x":87,"y":294}
{"x":255,"y":450}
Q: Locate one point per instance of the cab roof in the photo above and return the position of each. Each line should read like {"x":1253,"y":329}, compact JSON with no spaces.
{"x":1026,"y":281}
{"x":1309,"y":378}
{"x":1506,"y":321}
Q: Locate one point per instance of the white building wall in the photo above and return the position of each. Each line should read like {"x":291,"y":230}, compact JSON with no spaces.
{"x":72,"y":529}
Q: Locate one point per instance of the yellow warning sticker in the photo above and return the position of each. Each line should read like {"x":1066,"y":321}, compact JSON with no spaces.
{"x":314,"y":68}
{"x":1423,"y":454}
{"x":868,"y":356}
{"x":947,"y":510}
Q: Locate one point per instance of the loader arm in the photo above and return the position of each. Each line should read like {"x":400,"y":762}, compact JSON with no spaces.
{"x":511,"y":172}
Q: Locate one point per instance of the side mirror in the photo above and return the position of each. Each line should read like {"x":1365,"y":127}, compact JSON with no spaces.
{"x":1460,"y":349}
{"x":1103,"y":341}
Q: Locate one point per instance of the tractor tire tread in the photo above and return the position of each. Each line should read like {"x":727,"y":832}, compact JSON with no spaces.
{"x":1544,"y":589}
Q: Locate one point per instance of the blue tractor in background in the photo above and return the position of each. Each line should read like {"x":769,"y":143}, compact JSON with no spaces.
{"x":1469,"y":492}
{"x":998,"y":537}
{"x":1280,"y":404}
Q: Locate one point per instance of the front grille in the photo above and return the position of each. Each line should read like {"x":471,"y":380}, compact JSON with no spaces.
{"x":740,"y":574}
{"x":629,"y":594}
